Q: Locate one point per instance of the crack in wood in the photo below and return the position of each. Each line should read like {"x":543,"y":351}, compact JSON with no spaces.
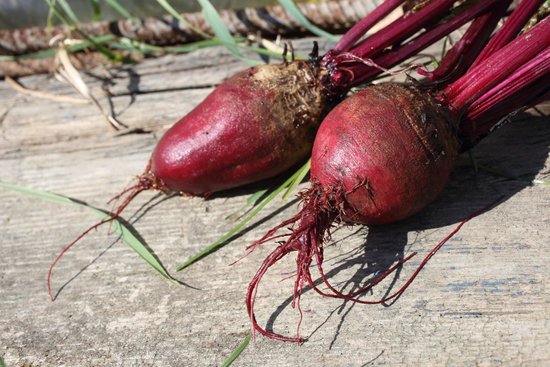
{"x":165,"y":90}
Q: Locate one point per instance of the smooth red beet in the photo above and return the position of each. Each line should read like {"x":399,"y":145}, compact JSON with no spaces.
{"x":253,"y":126}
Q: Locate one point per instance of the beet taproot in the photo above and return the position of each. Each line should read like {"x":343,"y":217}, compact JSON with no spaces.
{"x":389,"y":160}
{"x":370,"y":165}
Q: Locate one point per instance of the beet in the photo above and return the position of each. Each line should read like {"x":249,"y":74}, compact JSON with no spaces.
{"x":403,"y":130}
{"x":371,"y":165}
{"x":387,"y":151}
{"x":253,"y":126}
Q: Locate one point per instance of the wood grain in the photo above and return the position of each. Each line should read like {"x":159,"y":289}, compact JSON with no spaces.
{"x":482,"y":300}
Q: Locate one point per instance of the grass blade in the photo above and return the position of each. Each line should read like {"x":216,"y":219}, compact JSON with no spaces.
{"x":213,"y":18}
{"x":188,"y":47}
{"x":83,"y":44}
{"x":300,"y":174}
{"x":72,"y":25}
{"x":250,"y":202}
{"x":237,"y":352}
{"x":173,"y":12}
{"x":144,"y":48}
{"x":67,"y":70}
{"x":293,"y":10}
{"x":96,"y":8}
{"x":119,"y":8}
{"x":123,"y":229}
{"x":131,"y":45}
{"x":233,"y":231}
{"x":68,"y":10}
{"x":51,"y":13}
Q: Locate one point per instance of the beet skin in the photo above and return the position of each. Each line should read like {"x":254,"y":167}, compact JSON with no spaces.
{"x":253,"y":126}
{"x":389,"y":159}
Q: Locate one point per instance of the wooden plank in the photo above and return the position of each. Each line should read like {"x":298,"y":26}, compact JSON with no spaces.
{"x":483,"y":300}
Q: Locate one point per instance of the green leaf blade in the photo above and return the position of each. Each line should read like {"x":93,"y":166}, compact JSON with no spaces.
{"x":69,"y":11}
{"x":233,"y":231}
{"x":120,"y":227}
{"x":96,"y":9}
{"x":293,"y":10}
{"x":300,"y":174}
{"x":237,"y":352}
{"x":173,"y":12}
{"x":220,"y":30}
{"x":119,"y":8}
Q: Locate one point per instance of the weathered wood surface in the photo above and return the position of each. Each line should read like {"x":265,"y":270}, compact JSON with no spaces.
{"x":482,"y":300}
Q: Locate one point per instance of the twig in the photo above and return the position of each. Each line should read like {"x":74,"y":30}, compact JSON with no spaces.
{"x":38,"y":94}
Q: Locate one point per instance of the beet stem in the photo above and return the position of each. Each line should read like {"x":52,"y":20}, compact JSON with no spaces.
{"x":480,"y":79}
{"x":520,"y":89}
{"x":365,"y":24}
{"x":394,"y":57}
{"x":402,"y":28}
{"x":457,"y":60}
{"x":512,"y":26}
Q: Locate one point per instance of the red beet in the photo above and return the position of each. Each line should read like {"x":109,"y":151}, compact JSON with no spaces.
{"x":388,"y":160}
{"x":387,"y":151}
{"x":369,"y":165}
{"x":253,"y":126}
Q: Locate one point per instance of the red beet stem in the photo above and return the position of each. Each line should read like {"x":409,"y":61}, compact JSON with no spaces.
{"x":457,"y":60}
{"x":521,"y":88}
{"x":363,"y":26}
{"x":402,"y":28}
{"x":497,"y":67}
{"x":394,"y":57}
{"x":512,"y":26}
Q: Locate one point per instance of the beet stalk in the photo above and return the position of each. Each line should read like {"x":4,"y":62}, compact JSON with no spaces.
{"x":387,"y":151}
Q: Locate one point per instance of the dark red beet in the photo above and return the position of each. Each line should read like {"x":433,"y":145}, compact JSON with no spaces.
{"x":403,"y":129}
{"x":253,"y":126}
{"x":369,"y":165}
{"x":387,"y":151}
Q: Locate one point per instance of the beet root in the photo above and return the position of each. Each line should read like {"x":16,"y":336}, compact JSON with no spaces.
{"x":390,"y":159}
{"x":370,"y":165}
{"x":253,"y":126}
